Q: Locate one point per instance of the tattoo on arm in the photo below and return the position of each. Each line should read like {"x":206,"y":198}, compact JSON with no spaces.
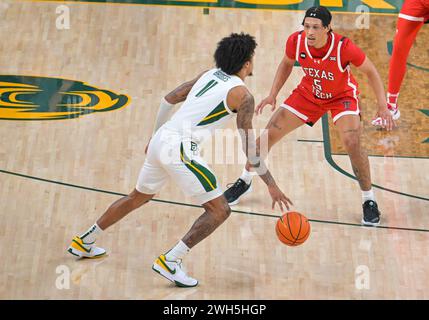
{"x":180,"y":93}
{"x":250,"y":147}
{"x":245,"y":112}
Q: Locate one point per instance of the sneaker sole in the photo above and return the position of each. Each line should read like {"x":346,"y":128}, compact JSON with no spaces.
{"x":370,"y":224}
{"x":158,"y":269}
{"x":238,"y":199}
{"x":80,"y":254}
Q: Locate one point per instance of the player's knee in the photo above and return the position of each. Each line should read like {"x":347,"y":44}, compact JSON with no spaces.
{"x":219,"y":209}
{"x":227,"y":211}
{"x":223,"y":212}
{"x":137,"y":198}
{"x":352,"y":142}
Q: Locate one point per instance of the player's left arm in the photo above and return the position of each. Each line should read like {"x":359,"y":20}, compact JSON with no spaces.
{"x":167,"y":103}
{"x":374,"y":79}
{"x":181,"y":92}
{"x":175,"y":96}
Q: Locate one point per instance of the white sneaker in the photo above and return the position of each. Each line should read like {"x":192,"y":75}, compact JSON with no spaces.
{"x":85,"y":250}
{"x":394,"y":110}
{"x":173,"y":271}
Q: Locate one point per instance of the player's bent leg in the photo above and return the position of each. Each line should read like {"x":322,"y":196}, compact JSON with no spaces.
{"x":216,"y":212}
{"x":122,"y":207}
{"x":281,"y":123}
{"x":350,"y":129}
{"x":119,"y":209}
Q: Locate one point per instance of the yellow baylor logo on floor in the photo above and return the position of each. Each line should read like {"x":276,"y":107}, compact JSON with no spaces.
{"x":41,"y":98}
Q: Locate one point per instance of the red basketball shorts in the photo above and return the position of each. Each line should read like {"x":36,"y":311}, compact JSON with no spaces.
{"x":415,"y":10}
{"x":310,"y":112}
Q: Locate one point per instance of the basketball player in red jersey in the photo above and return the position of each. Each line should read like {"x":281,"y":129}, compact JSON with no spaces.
{"x":328,"y":85}
{"x":413,"y":15}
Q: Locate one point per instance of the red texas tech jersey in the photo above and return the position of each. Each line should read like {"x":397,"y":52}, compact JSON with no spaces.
{"x":327,"y":78}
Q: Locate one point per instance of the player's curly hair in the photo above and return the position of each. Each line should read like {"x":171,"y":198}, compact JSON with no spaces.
{"x":234,"y":51}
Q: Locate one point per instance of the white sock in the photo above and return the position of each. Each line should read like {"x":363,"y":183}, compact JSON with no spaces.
{"x":247,"y":176}
{"x":368,"y":195}
{"x":91,"y":234}
{"x":178,"y":252}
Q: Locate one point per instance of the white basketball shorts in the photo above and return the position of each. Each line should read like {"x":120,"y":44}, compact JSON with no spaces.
{"x":169,"y":155}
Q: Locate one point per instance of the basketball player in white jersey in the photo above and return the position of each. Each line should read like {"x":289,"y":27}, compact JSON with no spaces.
{"x":211,"y":99}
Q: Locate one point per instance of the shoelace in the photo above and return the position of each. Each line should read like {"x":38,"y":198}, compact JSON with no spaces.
{"x":235,"y":184}
{"x":180,"y":265}
{"x":374,"y":210}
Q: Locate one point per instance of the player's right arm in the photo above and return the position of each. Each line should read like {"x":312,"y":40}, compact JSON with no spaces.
{"x":241,"y":100}
{"x":283,"y":72}
{"x":377,"y":87}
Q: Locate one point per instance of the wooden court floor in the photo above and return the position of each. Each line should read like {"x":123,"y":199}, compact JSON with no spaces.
{"x":58,"y":176}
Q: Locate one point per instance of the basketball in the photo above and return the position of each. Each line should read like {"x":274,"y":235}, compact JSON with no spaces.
{"x":293,"y":228}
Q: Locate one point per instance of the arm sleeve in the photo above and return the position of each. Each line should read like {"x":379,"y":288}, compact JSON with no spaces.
{"x":291,"y":44}
{"x":351,"y":53}
{"x":163,"y":114}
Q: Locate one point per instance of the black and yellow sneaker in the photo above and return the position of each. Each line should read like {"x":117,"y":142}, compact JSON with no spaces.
{"x":236,"y":191}
{"x":371,"y":215}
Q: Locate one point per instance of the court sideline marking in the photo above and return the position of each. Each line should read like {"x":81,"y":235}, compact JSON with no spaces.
{"x":197,"y":206}
{"x":328,"y":157}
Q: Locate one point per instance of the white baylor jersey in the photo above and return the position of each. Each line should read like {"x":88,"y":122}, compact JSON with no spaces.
{"x":205,"y":109}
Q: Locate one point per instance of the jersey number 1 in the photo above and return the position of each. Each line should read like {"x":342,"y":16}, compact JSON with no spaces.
{"x":206,"y":88}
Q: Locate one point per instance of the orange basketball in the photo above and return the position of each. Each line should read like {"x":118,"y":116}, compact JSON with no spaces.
{"x":293,"y":228}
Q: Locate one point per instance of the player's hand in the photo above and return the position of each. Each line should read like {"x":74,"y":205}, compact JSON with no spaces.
{"x":147,"y":146}
{"x":268,"y":100}
{"x":279,"y":198}
{"x":387,"y":121}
